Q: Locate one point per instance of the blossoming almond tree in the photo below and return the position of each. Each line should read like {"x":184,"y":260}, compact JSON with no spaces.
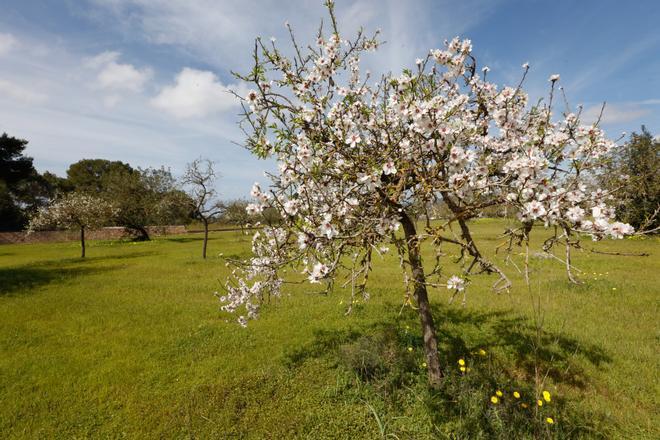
{"x":356,"y":156}
{"x":73,"y":210}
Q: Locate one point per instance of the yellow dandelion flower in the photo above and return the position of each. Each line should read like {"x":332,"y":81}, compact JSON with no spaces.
{"x":539,"y":402}
{"x":461,"y":362}
{"x":463,"y":369}
{"x":546,"y":396}
{"x":516,"y":394}
{"x":410,"y":349}
{"x":482,"y":352}
{"x":550,"y":420}
{"x":499,"y":393}
{"x":424,"y":364}
{"x":613,"y":288}
{"x":494,"y":400}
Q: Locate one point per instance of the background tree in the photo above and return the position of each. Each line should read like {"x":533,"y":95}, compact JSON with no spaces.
{"x":15,"y":168}
{"x":73,"y":210}
{"x":357,"y":158}
{"x":235,"y":213}
{"x":92,"y":175}
{"x":145,"y":197}
{"x":200,"y":179}
{"x":633,"y":178}
{"x":22,"y":189}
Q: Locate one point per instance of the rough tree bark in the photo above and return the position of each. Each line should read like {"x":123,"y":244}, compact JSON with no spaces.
{"x":422,"y":299}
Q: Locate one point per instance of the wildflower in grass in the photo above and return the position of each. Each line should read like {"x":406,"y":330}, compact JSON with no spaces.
{"x":463,"y":369}
{"x":461,"y":362}
{"x":482,"y":352}
{"x":516,"y":394}
{"x":546,"y":396}
{"x":498,"y":393}
{"x":550,"y":420}
{"x":539,"y":402}
{"x":494,"y":400}
{"x":410,"y":349}
{"x":524,"y":405}
{"x":423,"y":364}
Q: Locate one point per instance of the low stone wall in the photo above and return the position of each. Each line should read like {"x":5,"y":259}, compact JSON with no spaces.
{"x":109,"y":233}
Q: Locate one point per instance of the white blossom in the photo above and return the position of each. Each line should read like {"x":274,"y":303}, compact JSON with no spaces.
{"x":389,"y":168}
{"x":318,"y":272}
{"x":456,"y":283}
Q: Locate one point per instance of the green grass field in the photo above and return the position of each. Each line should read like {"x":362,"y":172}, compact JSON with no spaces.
{"x":130,"y":343}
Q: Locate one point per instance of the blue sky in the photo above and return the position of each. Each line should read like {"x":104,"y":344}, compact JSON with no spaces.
{"x":143,"y":81}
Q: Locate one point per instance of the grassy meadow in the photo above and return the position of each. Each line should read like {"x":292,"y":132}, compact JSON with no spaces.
{"x":130,"y":343}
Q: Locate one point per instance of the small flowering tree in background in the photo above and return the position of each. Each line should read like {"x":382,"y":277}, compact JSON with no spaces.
{"x":356,"y":156}
{"x":73,"y":210}
{"x":200,"y":178}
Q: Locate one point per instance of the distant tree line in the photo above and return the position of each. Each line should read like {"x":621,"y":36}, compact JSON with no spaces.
{"x":140,"y":197}
{"x":153,"y":196}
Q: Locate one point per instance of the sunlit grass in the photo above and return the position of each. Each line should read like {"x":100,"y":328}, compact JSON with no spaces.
{"x":130,"y":343}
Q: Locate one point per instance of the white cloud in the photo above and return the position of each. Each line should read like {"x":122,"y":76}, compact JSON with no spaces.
{"x":615,"y":113}
{"x":100,"y":60}
{"x":114,"y":75}
{"x":195,"y":93}
{"x":7,"y":43}
{"x":21,"y":94}
{"x":222,"y":32}
{"x":111,"y":101}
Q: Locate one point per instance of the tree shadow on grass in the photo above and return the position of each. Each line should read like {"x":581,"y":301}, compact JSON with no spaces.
{"x":462,"y":332}
{"x":98,"y":258}
{"x":502,"y":350}
{"x":183,"y":239}
{"x":551,"y":352}
{"x":24,"y":280}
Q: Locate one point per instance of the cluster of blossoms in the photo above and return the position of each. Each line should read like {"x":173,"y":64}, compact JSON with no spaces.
{"x":359,"y":160}
{"x":74,"y":210}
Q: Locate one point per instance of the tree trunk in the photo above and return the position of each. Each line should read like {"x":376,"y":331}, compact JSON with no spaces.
{"x":82,"y":242}
{"x":206,"y":237}
{"x":422,"y":299}
{"x":143,"y":234}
